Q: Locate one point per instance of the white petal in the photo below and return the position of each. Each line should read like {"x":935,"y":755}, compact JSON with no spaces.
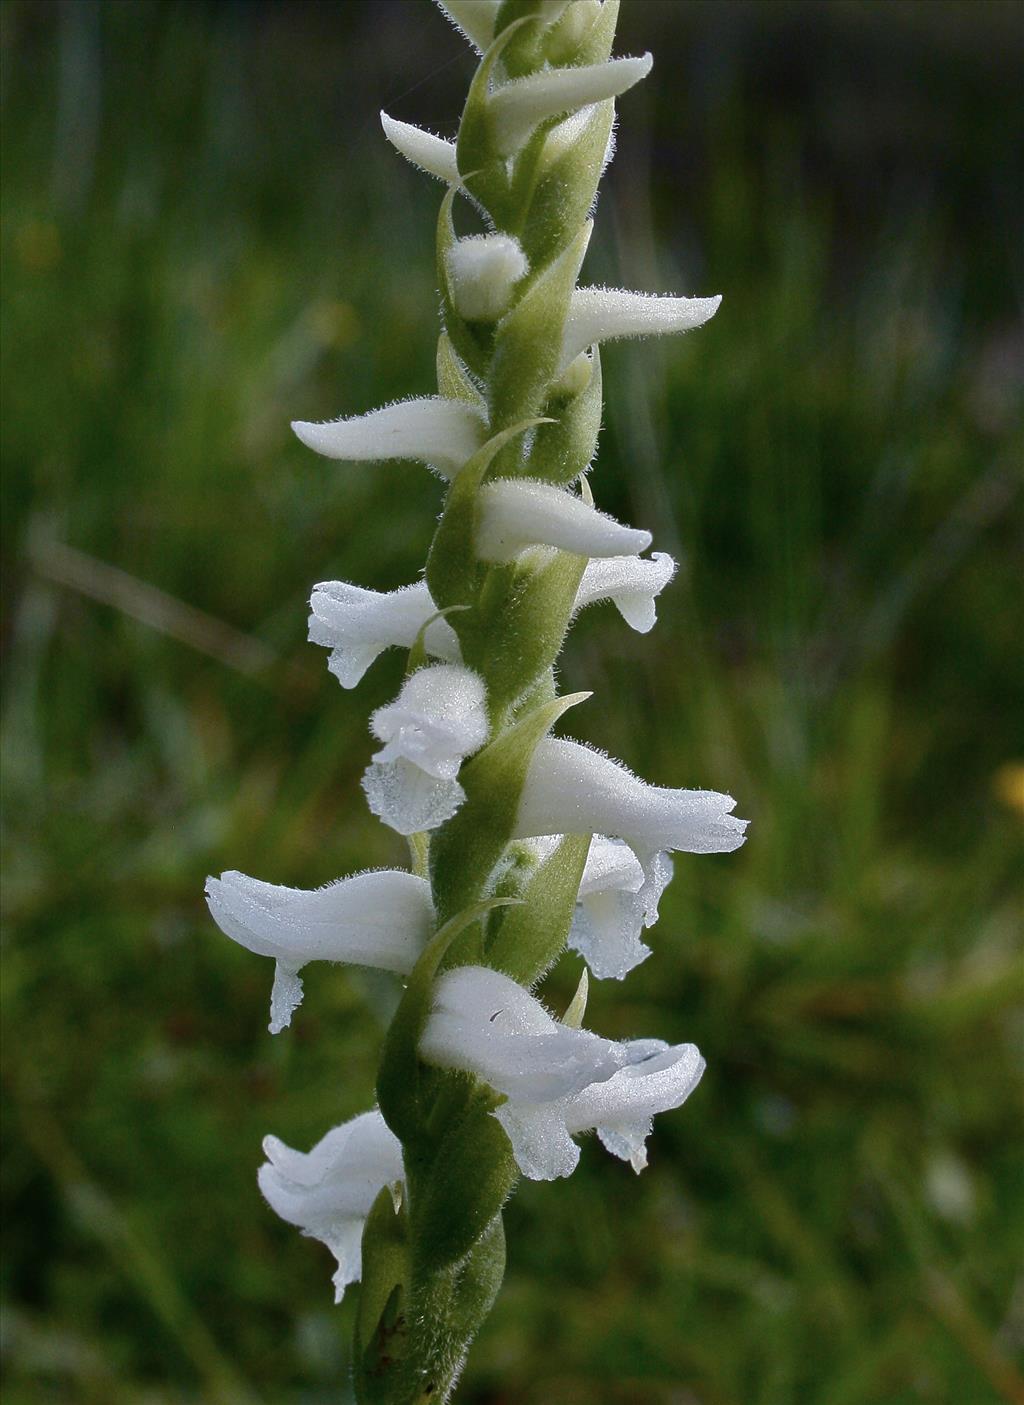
{"x":631,"y":583}
{"x":475,"y":18}
{"x":328,"y":1192}
{"x":378,"y":919}
{"x":285,"y":996}
{"x":514,"y":513}
{"x":622,"y":1107}
{"x":482,"y":271}
{"x":484,"y":1023}
{"x":357,"y":625}
{"x":439,"y":432}
{"x":521,"y":105}
{"x":407,"y":799}
{"x":603,"y":314}
{"x":571,"y":789}
{"x":438,"y":718}
{"x":431,"y":154}
{"x":541,"y":1145}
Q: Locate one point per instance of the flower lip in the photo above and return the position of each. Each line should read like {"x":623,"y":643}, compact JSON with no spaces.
{"x":631,"y":583}
{"x":438,"y":718}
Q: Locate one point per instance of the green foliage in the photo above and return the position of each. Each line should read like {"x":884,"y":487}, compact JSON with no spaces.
{"x":836,"y":1215}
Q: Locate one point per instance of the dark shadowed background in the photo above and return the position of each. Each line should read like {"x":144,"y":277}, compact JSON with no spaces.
{"x":205,"y":236}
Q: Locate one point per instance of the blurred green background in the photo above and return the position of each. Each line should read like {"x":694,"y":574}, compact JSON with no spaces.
{"x":205,"y":236}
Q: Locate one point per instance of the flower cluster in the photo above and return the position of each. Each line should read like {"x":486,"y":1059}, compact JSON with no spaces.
{"x":522,"y":843}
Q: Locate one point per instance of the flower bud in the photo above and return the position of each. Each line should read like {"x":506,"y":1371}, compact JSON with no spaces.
{"x":482,"y":271}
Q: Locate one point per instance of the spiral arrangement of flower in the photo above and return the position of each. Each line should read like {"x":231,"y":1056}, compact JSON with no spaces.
{"x":521,"y":843}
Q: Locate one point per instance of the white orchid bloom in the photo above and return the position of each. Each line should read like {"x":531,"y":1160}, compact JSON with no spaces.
{"x":606,"y":314}
{"x":432,"y":430}
{"x":431,"y":154}
{"x":621,"y":1110}
{"x":381,"y":919}
{"x":438,"y":719}
{"x":329,"y":1191}
{"x":520,"y":106}
{"x":632,"y":583}
{"x":357,"y":625}
{"x":516,"y":513}
{"x":617,"y":900}
{"x":571,"y":789}
{"x":483,"y":1023}
{"x":482,"y":271}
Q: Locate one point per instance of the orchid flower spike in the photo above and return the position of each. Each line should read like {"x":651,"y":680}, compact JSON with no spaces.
{"x":482,"y":270}
{"x":516,"y":513}
{"x":632,"y":583}
{"x":381,"y":919}
{"x":483,"y":1023}
{"x":571,"y":789}
{"x":431,"y":154}
{"x":357,"y":625}
{"x":438,"y":719}
{"x":606,"y":314}
{"x":438,"y":432}
{"x":329,"y":1191}
{"x":520,"y":106}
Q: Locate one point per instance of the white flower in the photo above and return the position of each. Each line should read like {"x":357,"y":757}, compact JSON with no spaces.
{"x":519,"y":106}
{"x":381,"y":919}
{"x":329,"y":1191}
{"x":438,"y":719}
{"x":631,"y":583}
{"x":357,"y":625}
{"x":483,"y":1023}
{"x":441,"y":433}
{"x":616,"y":901}
{"x":431,"y":154}
{"x":482,"y":270}
{"x":622,"y":1109}
{"x":516,"y":513}
{"x":571,"y":789}
{"x":604,"y":314}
